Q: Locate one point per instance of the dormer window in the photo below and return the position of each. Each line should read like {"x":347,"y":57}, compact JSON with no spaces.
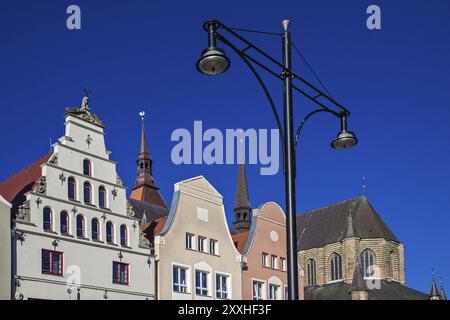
{"x":87,"y":168}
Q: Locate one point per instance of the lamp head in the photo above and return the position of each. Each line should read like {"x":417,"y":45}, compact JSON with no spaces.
{"x":345,"y":139}
{"x":213,"y":61}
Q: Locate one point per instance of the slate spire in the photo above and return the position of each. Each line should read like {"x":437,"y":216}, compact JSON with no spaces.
{"x":358,"y":283}
{"x":145,"y":188}
{"x":242,"y":211}
{"x":434,"y":293}
{"x":442,"y":295}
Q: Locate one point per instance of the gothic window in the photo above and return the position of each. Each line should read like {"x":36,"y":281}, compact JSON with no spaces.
{"x":95,"y":229}
{"x":336,"y":267}
{"x":102,"y":197}
{"x":87,"y":192}
{"x":87,"y":168}
{"x":64,"y":222}
{"x":367,"y":262}
{"x":80,"y":226}
{"x":391,"y":264}
{"x":123,"y":235}
{"x":109,"y":232}
{"x":72,"y":187}
{"x":311,"y":272}
{"x":48,"y":219}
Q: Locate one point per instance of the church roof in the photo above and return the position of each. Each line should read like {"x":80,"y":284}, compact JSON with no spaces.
{"x":15,"y":188}
{"x":389,"y":290}
{"x":353,"y":217}
{"x":240,"y":240}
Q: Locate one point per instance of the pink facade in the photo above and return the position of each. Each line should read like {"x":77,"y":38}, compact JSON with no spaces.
{"x":264,"y":250}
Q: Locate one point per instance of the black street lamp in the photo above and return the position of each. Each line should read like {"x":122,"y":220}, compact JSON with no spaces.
{"x":214,"y":61}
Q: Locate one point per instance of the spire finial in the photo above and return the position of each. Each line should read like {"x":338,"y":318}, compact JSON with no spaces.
{"x":85,"y":101}
{"x":142,"y":115}
{"x":363,"y":185}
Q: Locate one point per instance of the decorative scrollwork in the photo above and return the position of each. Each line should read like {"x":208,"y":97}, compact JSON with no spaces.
{"x":41,"y":185}
{"x":23,"y":212}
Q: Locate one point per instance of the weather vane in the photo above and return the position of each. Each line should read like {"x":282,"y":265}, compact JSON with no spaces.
{"x":86,"y":91}
{"x":363,"y":185}
{"x":142,"y":115}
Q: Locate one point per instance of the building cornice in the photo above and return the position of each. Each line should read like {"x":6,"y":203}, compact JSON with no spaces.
{"x":59,"y":144}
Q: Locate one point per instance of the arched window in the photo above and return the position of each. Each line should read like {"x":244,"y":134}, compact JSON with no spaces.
{"x":64,"y":222}
{"x":109,"y":232}
{"x":80,"y":226}
{"x":95,"y":229}
{"x":336,"y":267}
{"x":48,"y":219}
{"x":87,"y":168}
{"x":391,"y":264}
{"x":123,"y":235}
{"x":102,"y":197}
{"x":367,"y":261}
{"x":72,"y":189}
{"x":87,"y":192}
{"x":311,"y":272}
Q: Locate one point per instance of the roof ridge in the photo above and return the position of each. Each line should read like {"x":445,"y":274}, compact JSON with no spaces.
{"x":331,"y":205}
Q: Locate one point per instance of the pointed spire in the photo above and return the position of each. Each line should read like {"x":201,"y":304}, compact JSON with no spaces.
{"x":145,"y":188}
{"x":434,"y":294}
{"x":350,"y":231}
{"x":242,"y":209}
{"x":442,"y":295}
{"x":358,"y":282}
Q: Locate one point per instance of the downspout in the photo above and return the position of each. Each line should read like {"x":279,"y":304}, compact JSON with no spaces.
{"x":13,"y":255}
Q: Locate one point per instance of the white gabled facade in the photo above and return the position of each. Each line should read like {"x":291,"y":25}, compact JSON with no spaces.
{"x":49,"y":259}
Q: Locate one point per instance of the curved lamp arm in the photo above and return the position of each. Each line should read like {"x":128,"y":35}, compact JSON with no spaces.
{"x":300,"y":127}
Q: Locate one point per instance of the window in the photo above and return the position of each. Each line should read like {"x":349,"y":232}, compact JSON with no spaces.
{"x":201,"y":283}
{"x":64,"y":222}
{"x":95,"y":229}
{"x":221,"y":286}
{"x":87,"y":168}
{"x":80,"y":226}
{"x":189,"y":241}
{"x":120,"y":273}
{"x":282,"y":264}
{"x":273,"y":262}
{"x":109,"y":232}
{"x":274,"y":292}
{"x":102,"y":197}
{"x":52,"y":262}
{"x":72,"y":187}
{"x":48,"y":219}
{"x":201,"y":244}
{"x":391,"y":264}
{"x":87,"y":192}
{"x":213,"y":247}
{"x":123,"y":235}
{"x":258,"y":290}
{"x":264,"y":260}
{"x":311,"y":272}
{"x":336,"y":267}
{"x":367,"y":262}
{"x":179,"y":280}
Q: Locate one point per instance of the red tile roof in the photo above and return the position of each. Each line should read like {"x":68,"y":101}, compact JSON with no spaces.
{"x":154,"y":228}
{"x":240,"y":240}
{"x":15,"y":188}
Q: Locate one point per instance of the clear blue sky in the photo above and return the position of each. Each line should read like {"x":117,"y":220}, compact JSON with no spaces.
{"x":141,"y":55}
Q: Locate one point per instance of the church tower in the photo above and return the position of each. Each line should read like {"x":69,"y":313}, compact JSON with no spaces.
{"x":242,"y":211}
{"x":145,"y":188}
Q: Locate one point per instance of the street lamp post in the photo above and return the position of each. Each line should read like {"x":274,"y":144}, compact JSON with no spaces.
{"x":214,"y":61}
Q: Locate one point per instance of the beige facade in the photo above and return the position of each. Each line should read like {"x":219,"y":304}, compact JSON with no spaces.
{"x":264,"y":253}
{"x":195,"y":255}
{"x":389,"y":259}
{"x":5,"y":249}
